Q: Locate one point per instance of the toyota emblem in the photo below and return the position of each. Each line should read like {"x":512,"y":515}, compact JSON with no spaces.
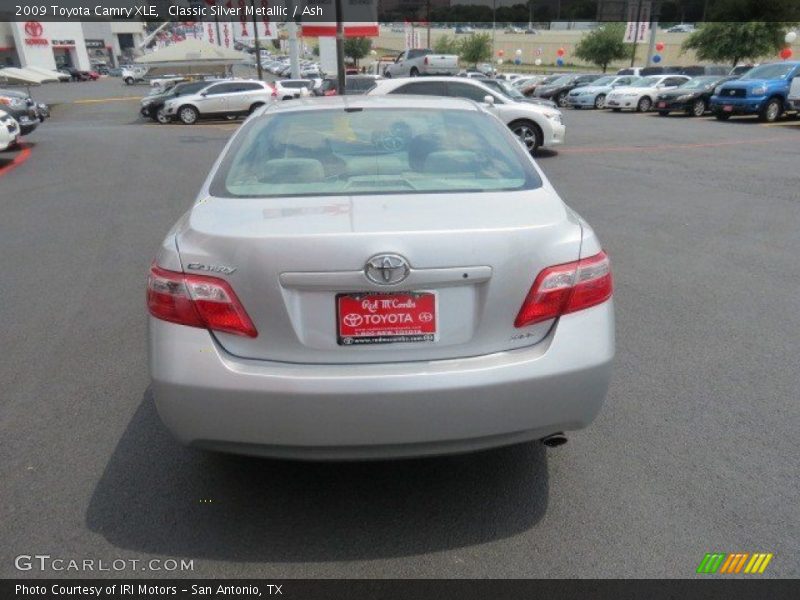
{"x":387,"y":269}
{"x":34,"y":28}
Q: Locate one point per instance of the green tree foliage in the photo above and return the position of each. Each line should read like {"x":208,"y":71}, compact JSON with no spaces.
{"x":476,"y":48}
{"x":733,"y":42}
{"x":447,"y":45}
{"x":357,"y":48}
{"x":602,"y":46}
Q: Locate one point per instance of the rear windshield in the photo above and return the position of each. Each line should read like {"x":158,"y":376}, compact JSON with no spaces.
{"x":373,"y":151}
{"x":771,"y":71}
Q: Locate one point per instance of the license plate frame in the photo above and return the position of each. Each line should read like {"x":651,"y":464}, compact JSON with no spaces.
{"x":662,"y":104}
{"x":727,"y":108}
{"x":371,"y":322}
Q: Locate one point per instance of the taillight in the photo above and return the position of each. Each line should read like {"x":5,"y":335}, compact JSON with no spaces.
{"x":425,"y":62}
{"x":567,"y":288}
{"x":274,"y":91}
{"x":196,"y":301}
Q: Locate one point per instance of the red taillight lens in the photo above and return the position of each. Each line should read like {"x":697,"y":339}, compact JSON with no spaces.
{"x":425,"y":61}
{"x":567,"y":288}
{"x":196,"y":301}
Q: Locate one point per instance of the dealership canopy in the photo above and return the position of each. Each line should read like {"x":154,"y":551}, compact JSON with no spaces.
{"x":23,"y":76}
{"x":192,"y":54}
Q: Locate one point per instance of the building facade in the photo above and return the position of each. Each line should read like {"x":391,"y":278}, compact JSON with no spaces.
{"x":56,"y":44}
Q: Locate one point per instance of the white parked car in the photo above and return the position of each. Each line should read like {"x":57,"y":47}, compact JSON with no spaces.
{"x":287,"y":89}
{"x":794,"y":94}
{"x":9,"y":130}
{"x":221,"y":99}
{"x":641,"y":93}
{"x":536,"y":126}
{"x":132,"y":74}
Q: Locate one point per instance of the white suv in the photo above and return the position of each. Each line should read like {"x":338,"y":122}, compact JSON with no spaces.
{"x":229,"y":98}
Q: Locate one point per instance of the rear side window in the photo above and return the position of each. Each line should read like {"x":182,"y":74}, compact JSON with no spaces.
{"x":222,"y":88}
{"x":464,"y":90}
{"x":425,"y":88}
{"x":373,"y":151}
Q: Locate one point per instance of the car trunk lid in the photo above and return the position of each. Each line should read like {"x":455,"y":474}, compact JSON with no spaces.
{"x":291,"y":260}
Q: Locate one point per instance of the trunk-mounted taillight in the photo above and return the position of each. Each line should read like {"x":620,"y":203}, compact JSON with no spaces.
{"x":567,"y":288}
{"x":196,"y":301}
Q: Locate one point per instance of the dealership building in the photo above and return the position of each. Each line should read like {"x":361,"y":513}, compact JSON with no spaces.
{"x":52,"y":45}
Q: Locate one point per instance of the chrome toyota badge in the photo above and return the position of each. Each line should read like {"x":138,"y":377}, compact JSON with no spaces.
{"x":387,"y":269}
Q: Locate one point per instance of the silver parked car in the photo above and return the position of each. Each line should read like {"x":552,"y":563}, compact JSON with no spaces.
{"x":366,"y":277}
{"x":229,"y":98}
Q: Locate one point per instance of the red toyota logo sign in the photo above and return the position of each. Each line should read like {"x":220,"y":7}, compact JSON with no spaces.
{"x":34,"y":28}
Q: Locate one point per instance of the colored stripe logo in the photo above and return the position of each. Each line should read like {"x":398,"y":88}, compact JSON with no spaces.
{"x":734,"y":563}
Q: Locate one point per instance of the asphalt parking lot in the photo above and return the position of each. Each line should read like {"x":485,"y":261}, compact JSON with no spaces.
{"x":695,"y":451}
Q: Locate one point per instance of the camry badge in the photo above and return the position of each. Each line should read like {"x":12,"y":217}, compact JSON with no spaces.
{"x":387,"y":269}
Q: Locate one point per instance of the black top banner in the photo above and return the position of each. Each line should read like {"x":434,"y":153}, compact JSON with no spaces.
{"x":453,"y":12}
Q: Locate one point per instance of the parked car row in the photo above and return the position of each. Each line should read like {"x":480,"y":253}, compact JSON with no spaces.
{"x":763,"y":90}
{"x":79,"y":75}
{"x":281,"y":67}
{"x":20,"y":115}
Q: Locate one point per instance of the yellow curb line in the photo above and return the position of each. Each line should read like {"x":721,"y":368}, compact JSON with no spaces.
{"x":99,"y":100}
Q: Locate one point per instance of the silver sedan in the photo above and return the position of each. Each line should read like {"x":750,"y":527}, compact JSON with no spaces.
{"x":378,"y":277}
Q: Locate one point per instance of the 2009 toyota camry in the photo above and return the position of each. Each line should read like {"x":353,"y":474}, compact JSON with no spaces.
{"x":376,"y":277}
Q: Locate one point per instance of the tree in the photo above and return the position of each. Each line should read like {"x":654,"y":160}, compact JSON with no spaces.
{"x":602,"y":46}
{"x":476,"y":48}
{"x":357,"y":48}
{"x":446,"y":45}
{"x":732,"y":42}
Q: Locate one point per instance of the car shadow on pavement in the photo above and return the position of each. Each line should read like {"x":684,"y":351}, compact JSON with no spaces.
{"x":158,"y":497}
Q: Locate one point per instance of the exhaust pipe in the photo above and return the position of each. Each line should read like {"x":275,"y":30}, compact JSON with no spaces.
{"x":555,"y":440}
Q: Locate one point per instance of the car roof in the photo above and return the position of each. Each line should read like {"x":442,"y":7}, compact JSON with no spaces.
{"x":361,"y":102}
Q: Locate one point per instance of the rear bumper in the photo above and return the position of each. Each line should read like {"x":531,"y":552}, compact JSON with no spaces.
{"x":211,"y":399}
{"x":581,"y":101}
{"x":556,"y":135}
{"x":738,"y":106}
{"x":672,"y":105}
{"x":623,"y":103}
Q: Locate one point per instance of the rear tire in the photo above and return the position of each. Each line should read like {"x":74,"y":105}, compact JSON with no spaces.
{"x":600,"y":101}
{"x":255,"y":107}
{"x":129,"y":81}
{"x":414,"y":72}
{"x":188,"y":115}
{"x":720,"y":116}
{"x":771,"y":111}
{"x":561,"y":100}
{"x":529,"y":134}
{"x":644,"y":104}
{"x":162,"y":116}
{"x":698,"y":108}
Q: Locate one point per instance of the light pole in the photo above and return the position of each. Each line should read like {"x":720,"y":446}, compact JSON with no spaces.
{"x":494,"y":26}
{"x":258,"y":47}
{"x":340,"y":78}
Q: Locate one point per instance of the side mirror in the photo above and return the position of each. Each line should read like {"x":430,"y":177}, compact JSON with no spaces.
{"x":204,"y":94}
{"x":489,"y":100}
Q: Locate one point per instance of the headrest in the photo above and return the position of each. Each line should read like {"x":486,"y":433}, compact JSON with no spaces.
{"x":451,"y":161}
{"x":292,"y":170}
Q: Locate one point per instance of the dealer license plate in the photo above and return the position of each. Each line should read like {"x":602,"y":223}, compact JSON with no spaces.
{"x":386,"y":318}
{"x":727,"y":108}
{"x":662,"y":105}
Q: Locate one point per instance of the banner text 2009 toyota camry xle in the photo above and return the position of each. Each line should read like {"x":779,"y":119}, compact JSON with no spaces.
{"x":378,"y":277}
